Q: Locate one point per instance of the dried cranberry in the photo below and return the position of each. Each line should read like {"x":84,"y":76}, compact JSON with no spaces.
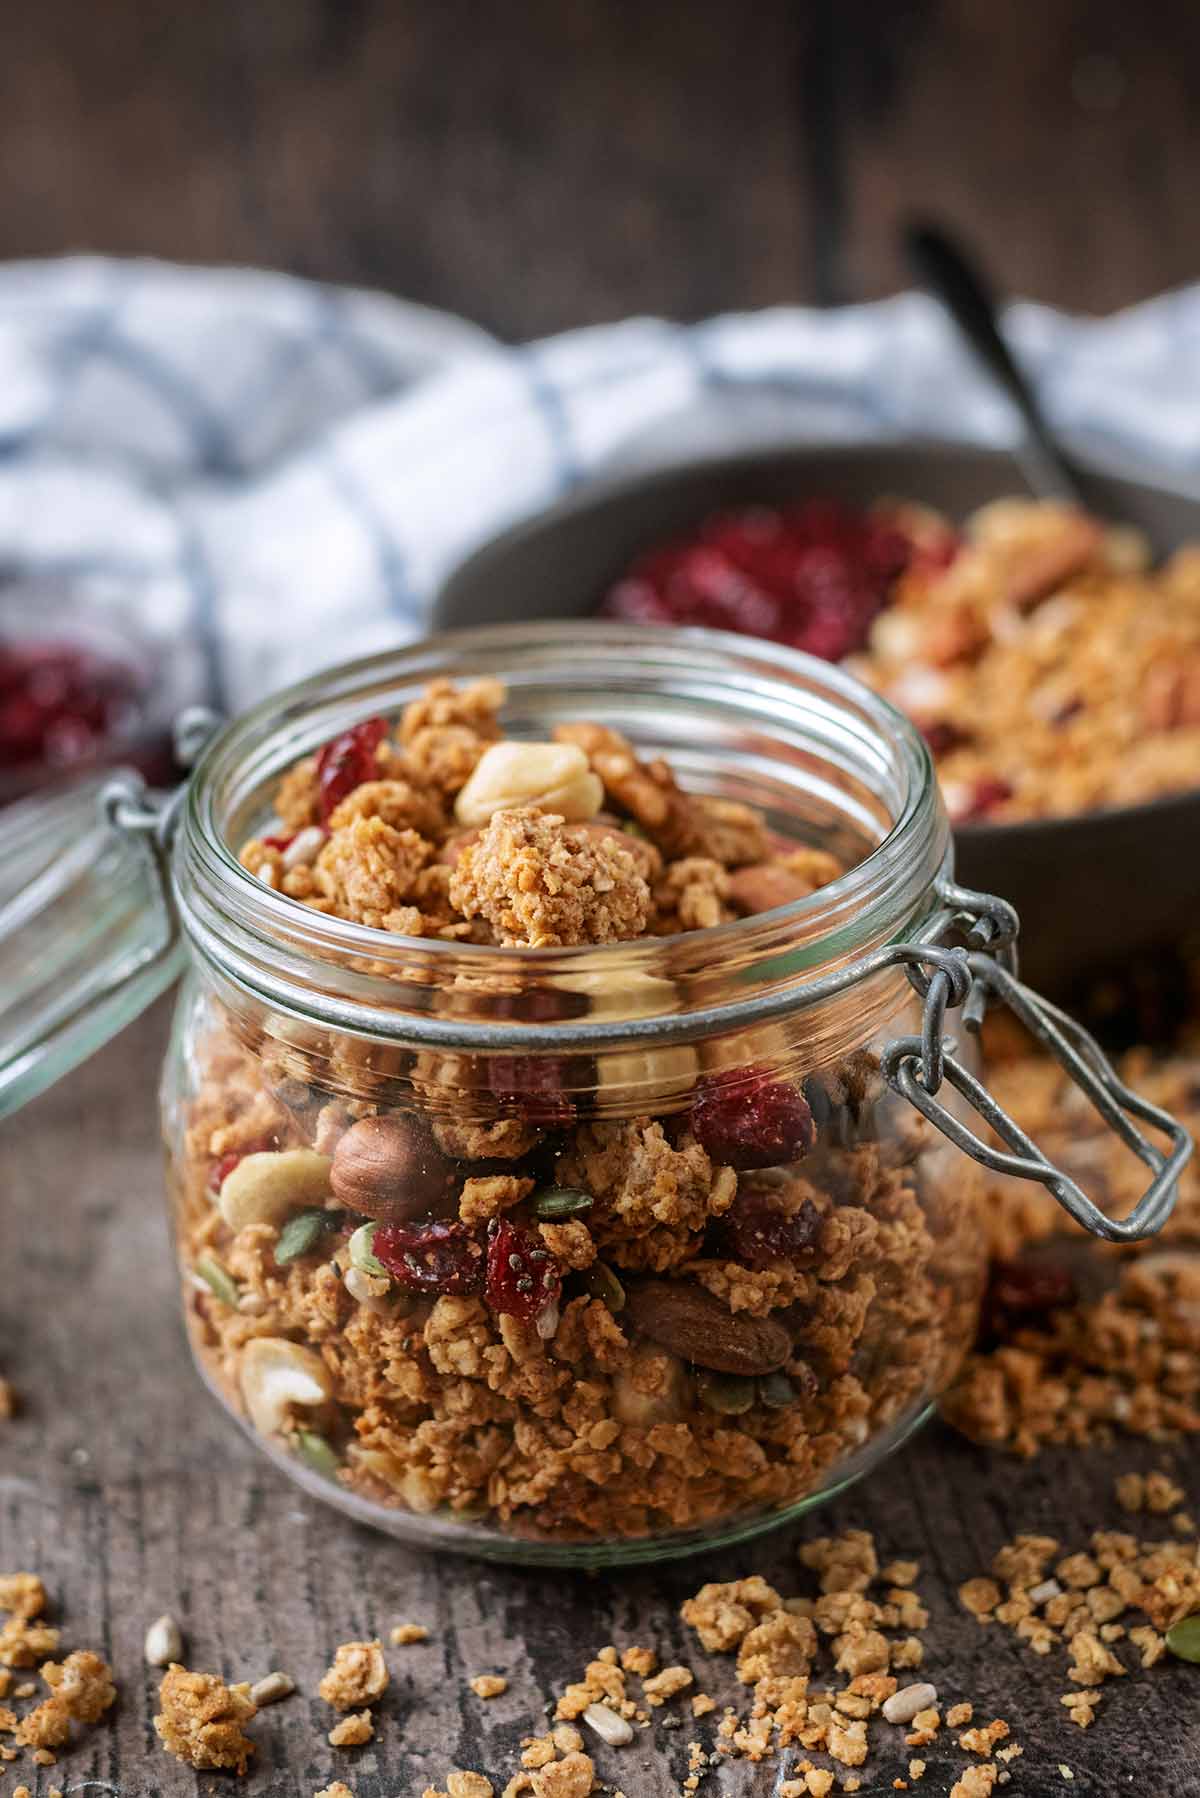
{"x":1023,"y":1293}
{"x":432,"y":1258}
{"x":533,"y":1087}
{"x":522,"y":1277}
{"x":58,"y":704}
{"x":347,"y":760}
{"x":942,"y":735}
{"x":280,"y":843}
{"x":983,"y":798}
{"x":223,"y":1166}
{"x":758,"y":1230}
{"x":752,"y":1123}
{"x":813,"y":576}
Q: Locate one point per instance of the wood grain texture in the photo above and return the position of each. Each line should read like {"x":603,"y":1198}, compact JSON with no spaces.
{"x":131,"y":1493}
{"x":573,"y":160}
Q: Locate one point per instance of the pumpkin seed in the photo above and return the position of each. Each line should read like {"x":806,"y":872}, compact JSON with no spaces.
{"x":362,"y":1251}
{"x":560,"y":1201}
{"x":729,"y":1393}
{"x":219,"y":1281}
{"x":776,"y":1391}
{"x":299,"y":1235}
{"x":1183,"y":1638}
{"x":602,"y":1283}
{"x":315,"y":1451}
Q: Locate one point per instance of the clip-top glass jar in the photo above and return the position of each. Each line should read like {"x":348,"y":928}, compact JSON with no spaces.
{"x":606,"y":1252}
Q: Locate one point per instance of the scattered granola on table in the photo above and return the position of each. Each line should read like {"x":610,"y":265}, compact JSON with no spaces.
{"x":201,"y":1720}
{"x":1081,"y":1344}
{"x":358,"y":1676}
{"x":576,"y":1299}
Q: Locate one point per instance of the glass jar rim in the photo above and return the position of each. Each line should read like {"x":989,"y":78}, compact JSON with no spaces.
{"x":331,"y":970}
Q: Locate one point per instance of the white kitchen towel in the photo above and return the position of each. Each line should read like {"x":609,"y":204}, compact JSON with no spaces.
{"x":276,"y":475}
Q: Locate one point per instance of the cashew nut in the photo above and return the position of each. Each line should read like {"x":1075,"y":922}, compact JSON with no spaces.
{"x":555,"y":776}
{"x":264,"y":1188}
{"x":277,"y":1374}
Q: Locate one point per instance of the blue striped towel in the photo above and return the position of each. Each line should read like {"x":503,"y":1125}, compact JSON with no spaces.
{"x":275,"y":474}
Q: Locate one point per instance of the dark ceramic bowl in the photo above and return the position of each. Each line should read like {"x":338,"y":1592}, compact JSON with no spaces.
{"x":1091,"y":889}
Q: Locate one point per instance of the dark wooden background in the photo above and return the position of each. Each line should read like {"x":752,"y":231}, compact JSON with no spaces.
{"x":562,"y":161}
{"x":536,"y":166}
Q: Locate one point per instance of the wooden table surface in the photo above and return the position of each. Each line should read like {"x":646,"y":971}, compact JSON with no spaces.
{"x":538,"y":167}
{"x":126,"y":1487}
{"x":564,"y":161}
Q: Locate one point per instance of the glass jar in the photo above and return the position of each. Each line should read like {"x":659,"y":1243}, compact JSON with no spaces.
{"x":688,"y":1236}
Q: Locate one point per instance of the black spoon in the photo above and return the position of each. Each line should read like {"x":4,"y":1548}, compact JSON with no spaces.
{"x":962,"y":287}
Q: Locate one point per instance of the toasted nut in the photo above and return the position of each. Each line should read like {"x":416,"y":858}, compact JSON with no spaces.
{"x":264,"y":1188}
{"x":764,"y":885}
{"x":387,"y":1168}
{"x":164,"y":1642}
{"x":1044,"y":567}
{"x":650,"y":1389}
{"x":304,"y":847}
{"x":903,"y":1705}
{"x":555,"y":776}
{"x":608,"y":1726}
{"x":697,"y":1327}
{"x":367,"y":1289}
{"x":271,"y":1688}
{"x":277,"y":1374}
{"x":729,"y":1393}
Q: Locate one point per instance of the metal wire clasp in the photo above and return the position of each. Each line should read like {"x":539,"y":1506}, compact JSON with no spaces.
{"x":916,"y":1067}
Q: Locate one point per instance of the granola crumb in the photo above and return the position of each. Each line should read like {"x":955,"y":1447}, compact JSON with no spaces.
{"x":976,"y":1782}
{"x":406,"y":1633}
{"x":83,"y":1684}
{"x":462,"y":1784}
{"x":916,"y":1769}
{"x":339,"y":1789}
{"x":488,"y":1685}
{"x":201,"y":1719}
{"x":666,"y":1684}
{"x":980,"y":1597}
{"x":958,"y":1714}
{"x":358,"y":1675}
{"x":354,"y":1729}
{"x":574,"y":1777}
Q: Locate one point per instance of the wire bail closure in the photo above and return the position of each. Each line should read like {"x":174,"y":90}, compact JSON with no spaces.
{"x":916,"y":1067}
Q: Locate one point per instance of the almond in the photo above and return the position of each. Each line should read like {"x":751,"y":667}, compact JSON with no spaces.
{"x":1171,"y":694}
{"x":1041,"y":570}
{"x":386,"y":1167}
{"x":697,"y":1327}
{"x":764,"y":885}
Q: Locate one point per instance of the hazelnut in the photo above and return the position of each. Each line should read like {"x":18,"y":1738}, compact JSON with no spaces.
{"x":388,"y":1168}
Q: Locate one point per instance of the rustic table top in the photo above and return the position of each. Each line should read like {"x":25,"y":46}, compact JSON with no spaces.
{"x":126,"y":1488}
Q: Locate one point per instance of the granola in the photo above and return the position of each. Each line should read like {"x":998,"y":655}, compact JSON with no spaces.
{"x":201,"y":1720}
{"x":579,"y":1298}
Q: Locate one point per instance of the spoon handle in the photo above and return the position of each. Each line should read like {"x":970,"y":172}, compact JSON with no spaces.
{"x":963,"y":289}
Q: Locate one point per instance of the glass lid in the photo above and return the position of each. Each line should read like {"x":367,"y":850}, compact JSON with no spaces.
{"x":87,"y":936}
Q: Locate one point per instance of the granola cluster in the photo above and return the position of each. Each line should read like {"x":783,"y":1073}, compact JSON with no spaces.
{"x":1050,"y":667}
{"x":1085,"y":1341}
{"x":80,"y":1686}
{"x":584,"y":1300}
